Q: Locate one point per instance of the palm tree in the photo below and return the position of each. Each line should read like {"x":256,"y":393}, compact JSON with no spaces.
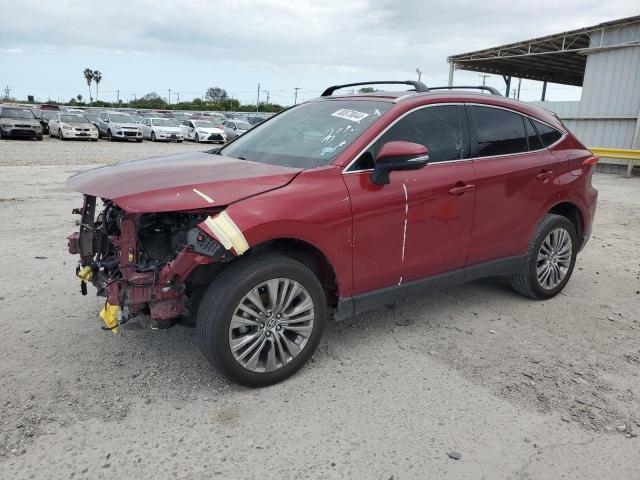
{"x":88,"y":75}
{"x":97,"y":76}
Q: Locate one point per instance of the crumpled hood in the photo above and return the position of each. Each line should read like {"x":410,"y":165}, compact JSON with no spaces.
{"x":187,"y":181}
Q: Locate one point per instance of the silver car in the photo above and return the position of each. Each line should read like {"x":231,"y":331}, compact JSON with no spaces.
{"x":235,"y":128}
{"x":118,"y":126}
{"x":19,"y":122}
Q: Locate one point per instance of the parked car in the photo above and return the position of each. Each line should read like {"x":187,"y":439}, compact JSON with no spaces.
{"x":118,"y":126}
{"x":202,"y":131}
{"x":334,"y":207}
{"x":92,"y":117}
{"x":43,"y":117}
{"x":157,"y":129}
{"x":66,"y":126}
{"x":235,"y":128}
{"x":255,"y":120}
{"x":19,"y":122}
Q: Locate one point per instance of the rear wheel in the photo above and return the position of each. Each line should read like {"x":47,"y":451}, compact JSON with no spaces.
{"x":261,"y":319}
{"x":550,"y":259}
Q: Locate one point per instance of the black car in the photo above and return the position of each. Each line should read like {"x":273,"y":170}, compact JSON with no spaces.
{"x":43,"y":117}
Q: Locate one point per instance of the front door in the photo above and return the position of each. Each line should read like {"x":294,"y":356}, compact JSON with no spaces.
{"x":418,"y":225}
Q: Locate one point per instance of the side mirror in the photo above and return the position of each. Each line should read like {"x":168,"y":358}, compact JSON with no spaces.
{"x":398,"y":155}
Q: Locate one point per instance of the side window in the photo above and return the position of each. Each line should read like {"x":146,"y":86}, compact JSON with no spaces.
{"x":532,"y":135}
{"x":440,"y":128}
{"x":103,"y":117}
{"x":499,"y":132}
{"x":547,"y":134}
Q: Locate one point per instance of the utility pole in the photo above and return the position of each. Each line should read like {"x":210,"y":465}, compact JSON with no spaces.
{"x":484,"y":78}
{"x":7,"y":92}
{"x":169,"y":96}
{"x":178,"y":94}
{"x":268,"y":94}
{"x":419,"y":72}
{"x":258,"y":100}
{"x":295,"y":98}
{"x":117,"y":96}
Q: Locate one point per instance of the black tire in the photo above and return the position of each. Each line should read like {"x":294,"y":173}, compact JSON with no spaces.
{"x":2,"y":135}
{"x":222,"y":298}
{"x":526,"y":282}
{"x":196,"y":138}
{"x":138,"y":140}
{"x":94,"y":139}
{"x":60,"y":136}
{"x":39,"y":138}
{"x":153,"y":136}
{"x":109,"y":136}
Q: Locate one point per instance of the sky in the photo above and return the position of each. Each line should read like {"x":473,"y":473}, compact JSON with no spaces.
{"x":143,"y":46}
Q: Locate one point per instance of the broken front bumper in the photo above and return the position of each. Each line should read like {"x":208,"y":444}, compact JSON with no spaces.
{"x":128,"y":289}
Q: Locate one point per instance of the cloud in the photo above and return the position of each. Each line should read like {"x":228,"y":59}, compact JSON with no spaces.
{"x":11,"y":50}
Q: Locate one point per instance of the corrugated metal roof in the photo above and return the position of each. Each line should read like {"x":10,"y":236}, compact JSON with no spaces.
{"x":558,"y":58}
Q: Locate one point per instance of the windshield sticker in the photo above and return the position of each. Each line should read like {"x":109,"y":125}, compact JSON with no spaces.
{"x":351,"y":115}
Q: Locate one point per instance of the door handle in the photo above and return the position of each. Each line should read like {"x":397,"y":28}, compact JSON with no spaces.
{"x":461,"y":189}
{"x":544,"y":175}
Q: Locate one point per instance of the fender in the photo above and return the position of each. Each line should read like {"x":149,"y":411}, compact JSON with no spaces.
{"x":326,"y":224}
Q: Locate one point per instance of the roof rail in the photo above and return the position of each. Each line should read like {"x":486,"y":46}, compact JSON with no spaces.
{"x":419,"y":86}
{"x":491,"y":90}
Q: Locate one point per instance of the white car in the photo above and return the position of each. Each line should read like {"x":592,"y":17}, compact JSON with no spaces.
{"x":71,"y":125}
{"x":157,"y":129}
{"x":202,"y":131}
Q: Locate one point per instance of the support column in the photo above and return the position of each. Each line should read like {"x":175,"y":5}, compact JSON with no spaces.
{"x":451,"y":69}
{"x":507,"y":81}
{"x":544,"y":91}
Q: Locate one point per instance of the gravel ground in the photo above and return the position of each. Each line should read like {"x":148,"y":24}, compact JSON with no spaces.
{"x":520,"y":389}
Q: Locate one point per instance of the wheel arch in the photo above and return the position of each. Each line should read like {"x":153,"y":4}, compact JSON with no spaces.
{"x":572,"y":213}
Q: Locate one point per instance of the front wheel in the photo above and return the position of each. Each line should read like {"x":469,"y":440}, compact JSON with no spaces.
{"x":109,"y":136}
{"x":550,"y":259}
{"x":261,"y":319}
{"x":153,"y":136}
{"x":196,"y":138}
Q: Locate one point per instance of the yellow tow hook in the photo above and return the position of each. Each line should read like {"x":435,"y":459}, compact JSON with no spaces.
{"x":109,"y":315}
{"x":85,"y":274}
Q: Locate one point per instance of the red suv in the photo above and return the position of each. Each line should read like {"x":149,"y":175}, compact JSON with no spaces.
{"x":331,"y":208}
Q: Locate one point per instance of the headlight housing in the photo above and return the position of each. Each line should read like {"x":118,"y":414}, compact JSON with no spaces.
{"x":66,"y":127}
{"x":7,"y":125}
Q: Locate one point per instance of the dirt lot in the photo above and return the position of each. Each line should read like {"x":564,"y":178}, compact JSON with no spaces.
{"x":521,"y":389}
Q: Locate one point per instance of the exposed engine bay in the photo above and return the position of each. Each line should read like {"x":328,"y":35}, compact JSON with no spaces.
{"x":141,"y":262}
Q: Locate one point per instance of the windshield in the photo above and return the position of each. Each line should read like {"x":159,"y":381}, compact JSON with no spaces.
{"x":16,"y":113}
{"x":163,"y":122}
{"x":307,"y":136}
{"x":203,"y":123}
{"x":92,"y":117}
{"x":73,"y":119}
{"x":121,"y":118}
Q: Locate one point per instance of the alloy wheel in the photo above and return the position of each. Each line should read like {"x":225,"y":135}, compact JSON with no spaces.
{"x":554,"y":258}
{"x":271,"y":325}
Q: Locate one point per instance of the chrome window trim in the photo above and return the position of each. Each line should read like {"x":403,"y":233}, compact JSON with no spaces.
{"x":346,"y":170}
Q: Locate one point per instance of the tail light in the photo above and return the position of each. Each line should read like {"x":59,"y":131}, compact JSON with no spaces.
{"x":588,"y":162}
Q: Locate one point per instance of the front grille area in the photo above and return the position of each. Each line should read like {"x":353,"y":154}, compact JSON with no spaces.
{"x":16,"y":131}
{"x":130,"y":134}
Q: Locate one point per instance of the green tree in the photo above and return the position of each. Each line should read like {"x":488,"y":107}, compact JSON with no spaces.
{"x":88,"y":76}
{"x":97,"y":76}
{"x":216,"y":94}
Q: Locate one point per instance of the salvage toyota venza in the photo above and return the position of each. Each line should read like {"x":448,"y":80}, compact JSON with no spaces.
{"x":331,"y":208}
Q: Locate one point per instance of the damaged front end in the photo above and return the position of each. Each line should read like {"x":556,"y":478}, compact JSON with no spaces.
{"x":142,"y":262}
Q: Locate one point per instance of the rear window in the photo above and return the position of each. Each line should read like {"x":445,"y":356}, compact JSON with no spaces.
{"x":499,"y":132}
{"x":548,"y":134}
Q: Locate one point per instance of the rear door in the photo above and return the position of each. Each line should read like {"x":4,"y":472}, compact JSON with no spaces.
{"x":418,"y":225}
{"x":516,"y":176}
